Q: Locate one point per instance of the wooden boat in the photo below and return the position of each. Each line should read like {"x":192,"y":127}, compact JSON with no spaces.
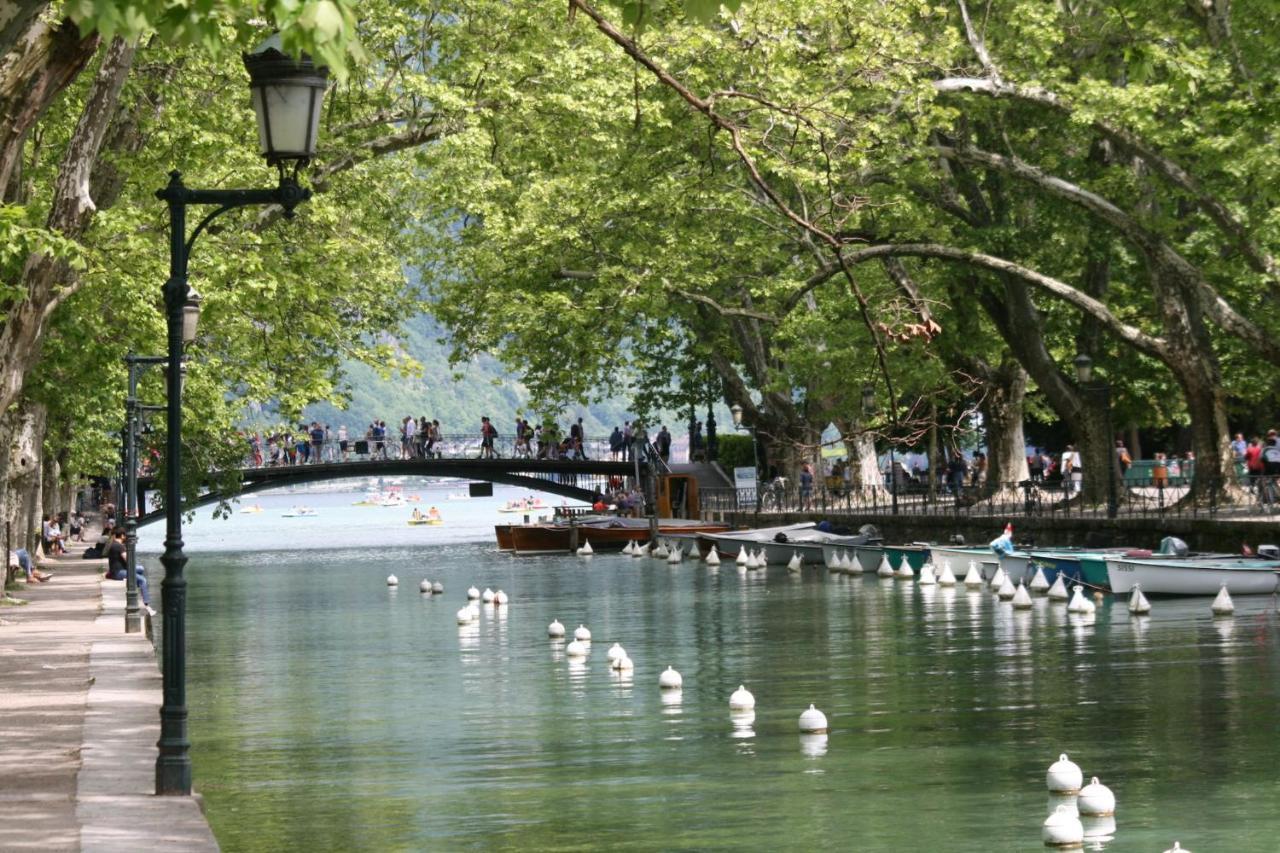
{"x":503,"y":532}
{"x":1015,"y":565}
{"x":605,"y":533}
{"x":1204,"y":575}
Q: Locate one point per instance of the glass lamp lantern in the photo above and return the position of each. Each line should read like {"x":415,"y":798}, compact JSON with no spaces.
{"x":287,"y":97}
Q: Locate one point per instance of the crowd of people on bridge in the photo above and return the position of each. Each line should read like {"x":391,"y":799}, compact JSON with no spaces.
{"x":421,"y":438}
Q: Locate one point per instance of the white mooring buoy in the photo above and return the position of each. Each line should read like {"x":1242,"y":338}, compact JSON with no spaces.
{"x":1022,"y":599}
{"x":500,"y":597}
{"x":392,"y":580}
{"x":586,"y":550}
{"x":615,"y":651}
{"x":676,"y":555}
{"x":905,"y":572}
{"x":472,"y":593}
{"x":948,"y":577}
{"x":1177,"y":848}
{"x":813,"y":721}
{"x":487,"y":595}
{"x":927,"y":577}
{"x":885,"y":570}
{"x":1058,"y":592}
{"x":1039,"y":583}
{"x":437,"y":588}
{"x":973,"y":578}
{"x":576,"y":649}
{"x":465,"y":616}
{"x":661,"y":552}
{"x":741,"y":700}
{"x":582,"y":634}
{"x":1062,"y":829}
{"x":743,"y":557}
{"x":622,"y":664}
{"x":642,"y":551}
{"x":1222,"y":604}
{"x":629,"y":547}
{"x":1078,"y":603}
{"x":1006,"y":590}
{"x":713,"y":557}
{"x":1064,"y":776}
{"x":424,"y":585}
{"x":1096,"y":800}
{"x":1138,"y":604}
{"x":998,"y":577}
{"x":555,"y":629}
{"x":670,"y":679}
{"x":794,"y":564}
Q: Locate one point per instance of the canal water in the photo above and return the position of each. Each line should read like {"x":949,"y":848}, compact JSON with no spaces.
{"x":329,"y":712}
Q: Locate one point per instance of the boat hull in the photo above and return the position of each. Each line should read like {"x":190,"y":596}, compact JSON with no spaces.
{"x":1191,"y":577}
{"x":531,"y":539}
{"x":1015,"y":565}
{"x":916,"y":556}
{"x":503,"y":533}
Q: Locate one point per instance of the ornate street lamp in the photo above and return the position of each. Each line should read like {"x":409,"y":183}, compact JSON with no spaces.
{"x":287,"y":98}
{"x":738,"y":426}
{"x":1101,"y":391}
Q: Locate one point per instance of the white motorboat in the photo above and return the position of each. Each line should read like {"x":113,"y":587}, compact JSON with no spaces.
{"x":299,"y":512}
{"x":1164,"y":575}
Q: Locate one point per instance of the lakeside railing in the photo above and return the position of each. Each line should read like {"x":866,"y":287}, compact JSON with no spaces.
{"x":1136,"y":498}
{"x":453,"y":446}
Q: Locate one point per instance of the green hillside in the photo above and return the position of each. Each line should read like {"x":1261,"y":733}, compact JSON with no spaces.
{"x":485,"y":387}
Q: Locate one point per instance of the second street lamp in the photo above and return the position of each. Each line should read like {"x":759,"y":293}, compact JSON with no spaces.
{"x":287,"y":96}
{"x":738,"y":425}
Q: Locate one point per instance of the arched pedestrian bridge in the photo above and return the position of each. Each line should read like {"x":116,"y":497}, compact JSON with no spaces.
{"x":577,"y":479}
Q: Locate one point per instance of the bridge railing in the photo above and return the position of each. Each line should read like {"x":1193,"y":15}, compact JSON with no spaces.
{"x":451,"y":446}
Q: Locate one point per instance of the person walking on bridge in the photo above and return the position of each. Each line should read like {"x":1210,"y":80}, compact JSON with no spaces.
{"x":488,"y":432}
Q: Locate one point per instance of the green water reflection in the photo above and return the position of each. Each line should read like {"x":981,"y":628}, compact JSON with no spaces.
{"x":329,"y":713}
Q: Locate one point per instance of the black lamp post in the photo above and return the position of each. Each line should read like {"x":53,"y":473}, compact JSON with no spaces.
{"x":738,"y":426}
{"x":713,"y":445}
{"x":869,"y":409}
{"x":1101,"y":391}
{"x":287,"y":95}
{"x":136,"y":363}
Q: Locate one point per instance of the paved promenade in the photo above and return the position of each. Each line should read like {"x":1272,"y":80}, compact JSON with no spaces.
{"x":79,"y":720}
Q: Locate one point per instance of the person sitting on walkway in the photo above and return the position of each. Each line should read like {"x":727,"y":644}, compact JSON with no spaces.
{"x":118,"y":566}
{"x":22,"y":559}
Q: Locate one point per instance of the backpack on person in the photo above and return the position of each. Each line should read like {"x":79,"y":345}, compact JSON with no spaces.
{"x":1271,"y":454}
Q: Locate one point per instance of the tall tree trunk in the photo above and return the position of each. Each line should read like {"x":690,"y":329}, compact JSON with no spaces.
{"x":47,"y":281}
{"x":1002,"y":413}
{"x":42,"y":62}
{"x":20,"y":476}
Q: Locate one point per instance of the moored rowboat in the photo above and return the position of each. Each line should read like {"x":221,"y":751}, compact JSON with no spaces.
{"x":1193,"y":576}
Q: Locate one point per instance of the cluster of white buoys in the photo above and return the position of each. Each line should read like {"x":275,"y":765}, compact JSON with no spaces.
{"x":470,"y":613}
{"x":427,"y":587}
{"x":1077,"y":812}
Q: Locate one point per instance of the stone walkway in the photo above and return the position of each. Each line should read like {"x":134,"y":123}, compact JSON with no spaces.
{"x":79,"y":720}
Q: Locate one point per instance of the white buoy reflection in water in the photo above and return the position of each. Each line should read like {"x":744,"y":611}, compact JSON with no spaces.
{"x":671,"y":701}
{"x":742,"y":722}
{"x":813,"y":745}
{"x":1068,"y":800}
{"x":1098,"y":830}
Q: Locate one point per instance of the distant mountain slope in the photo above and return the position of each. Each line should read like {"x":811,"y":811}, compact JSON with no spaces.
{"x":486,"y":388}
